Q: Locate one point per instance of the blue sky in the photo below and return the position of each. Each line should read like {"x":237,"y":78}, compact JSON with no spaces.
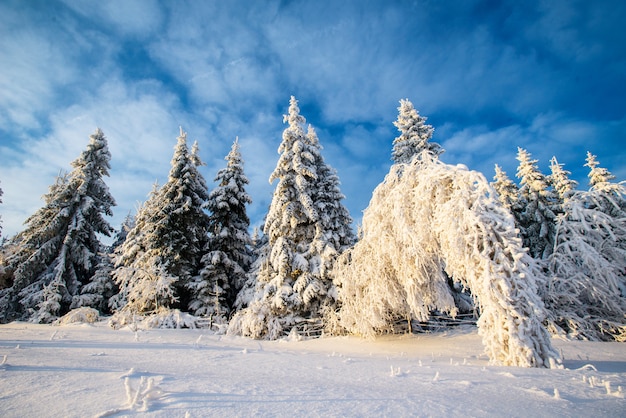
{"x":548,"y":76}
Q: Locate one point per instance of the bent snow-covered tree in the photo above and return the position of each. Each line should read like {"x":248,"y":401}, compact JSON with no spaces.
{"x":432,"y":221}
{"x":58,"y":252}
{"x":307,"y":227}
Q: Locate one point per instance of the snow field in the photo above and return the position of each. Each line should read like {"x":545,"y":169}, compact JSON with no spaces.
{"x":92,"y":370}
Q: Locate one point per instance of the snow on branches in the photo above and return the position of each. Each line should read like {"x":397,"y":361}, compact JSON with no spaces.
{"x":307,"y":228}
{"x":586,"y":291}
{"x":58,"y":252}
{"x":432,"y":222}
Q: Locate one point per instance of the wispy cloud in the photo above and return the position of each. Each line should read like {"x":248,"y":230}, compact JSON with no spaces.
{"x":547,"y":76}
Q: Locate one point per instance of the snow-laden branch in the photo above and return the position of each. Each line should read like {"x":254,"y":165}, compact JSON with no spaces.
{"x":433,"y":222}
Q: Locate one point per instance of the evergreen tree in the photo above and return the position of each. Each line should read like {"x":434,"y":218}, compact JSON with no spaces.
{"x":538,"y":219}
{"x":307,"y":227}
{"x":260,"y":253}
{"x":162,"y":252}
{"x":58,"y":251}
{"x":101,"y":289}
{"x":415,"y":135}
{"x":560,"y":181}
{"x":333,"y":233}
{"x":428,"y":221}
{"x":120,"y":237}
{"x":586,"y":291}
{"x":0,"y":216}
{"x":609,"y":195}
{"x":132,"y":259}
{"x":507,"y":191}
{"x":184,"y":234}
{"x":228,"y":255}
{"x":195,"y":155}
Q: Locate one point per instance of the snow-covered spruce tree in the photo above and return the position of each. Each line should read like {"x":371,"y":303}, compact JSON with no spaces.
{"x":14,"y":253}
{"x":538,"y":219}
{"x":100,"y":290}
{"x":228,"y":255}
{"x":3,"y":253}
{"x":586,"y":291}
{"x":307,"y":228}
{"x":560,"y":181}
{"x":432,"y":222}
{"x":610,"y":195}
{"x":162,"y":252}
{"x":260,"y":254}
{"x":58,"y":251}
{"x":184,"y":234}
{"x":120,"y":236}
{"x":132,"y":252}
{"x":415,"y":135}
{"x":1,"y":216}
{"x":507,"y":191}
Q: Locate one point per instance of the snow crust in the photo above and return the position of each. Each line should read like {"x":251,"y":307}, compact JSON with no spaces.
{"x":82,"y":370}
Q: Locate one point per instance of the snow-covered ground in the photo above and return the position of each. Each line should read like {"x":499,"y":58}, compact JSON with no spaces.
{"x":84,"y":370}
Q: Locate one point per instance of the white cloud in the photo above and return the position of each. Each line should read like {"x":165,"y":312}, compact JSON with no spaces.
{"x":129,"y":17}
{"x":547,"y":135}
{"x":141,"y":129}
{"x":227,"y":69}
{"x":32,"y":65}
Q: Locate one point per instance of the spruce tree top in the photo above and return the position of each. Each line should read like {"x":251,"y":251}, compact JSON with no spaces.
{"x":600,"y":178}
{"x":296,"y":173}
{"x":89,"y":168}
{"x":414,"y":137}
{"x":508,"y":192}
{"x":563,"y":185}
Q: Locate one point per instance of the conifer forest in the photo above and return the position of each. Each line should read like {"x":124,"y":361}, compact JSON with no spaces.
{"x":523,"y":257}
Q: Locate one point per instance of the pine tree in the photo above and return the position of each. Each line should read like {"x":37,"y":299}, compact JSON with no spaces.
{"x":429,"y":221}
{"x":228,"y":256}
{"x":101,"y":289}
{"x":184,"y":234}
{"x":415,"y":135}
{"x":260,"y":254}
{"x":610,"y":195}
{"x":586,"y":291}
{"x":333,"y":233}
{"x":507,"y":191}
{"x":58,"y":251}
{"x":307,"y":227}
{"x":1,"y":216}
{"x":538,"y":219}
{"x":134,"y":258}
{"x":120,"y":237}
{"x":560,"y":181}
{"x":162,"y":252}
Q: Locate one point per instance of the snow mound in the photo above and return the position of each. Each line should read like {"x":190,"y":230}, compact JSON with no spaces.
{"x":162,"y":318}
{"x":83,"y":315}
